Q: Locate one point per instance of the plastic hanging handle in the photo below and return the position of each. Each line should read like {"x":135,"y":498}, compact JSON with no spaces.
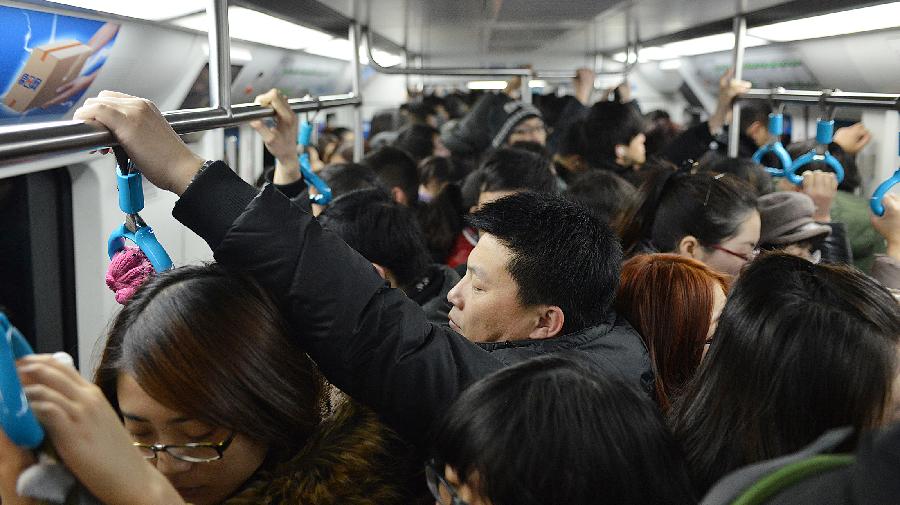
{"x":824,"y":133}
{"x":876,"y":202}
{"x":324,"y":192}
{"x":146,"y":240}
{"x":776,"y":128}
{"x":16,"y":417}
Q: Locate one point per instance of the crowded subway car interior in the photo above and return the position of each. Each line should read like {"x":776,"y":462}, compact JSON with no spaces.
{"x":506,"y":252}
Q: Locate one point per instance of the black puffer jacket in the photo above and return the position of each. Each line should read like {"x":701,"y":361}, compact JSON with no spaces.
{"x":372,"y":342}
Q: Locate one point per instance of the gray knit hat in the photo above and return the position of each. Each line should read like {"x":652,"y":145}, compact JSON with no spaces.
{"x":516,"y":112}
{"x":787,"y":218}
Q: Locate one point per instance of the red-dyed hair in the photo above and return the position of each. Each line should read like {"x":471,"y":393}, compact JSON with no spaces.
{"x":669,"y":300}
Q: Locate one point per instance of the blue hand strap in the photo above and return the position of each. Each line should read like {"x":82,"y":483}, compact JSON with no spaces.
{"x":131,"y":201}
{"x":876,"y":201}
{"x":824,"y":133}
{"x":16,"y":418}
{"x":776,"y":128}
{"x":146,"y":240}
{"x":303,"y":138}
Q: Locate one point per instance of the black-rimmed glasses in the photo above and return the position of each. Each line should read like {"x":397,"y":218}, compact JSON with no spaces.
{"x":202,"y":452}
{"x":441,"y":490}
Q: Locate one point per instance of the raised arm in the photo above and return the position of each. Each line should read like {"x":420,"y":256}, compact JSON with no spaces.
{"x":369,"y":340}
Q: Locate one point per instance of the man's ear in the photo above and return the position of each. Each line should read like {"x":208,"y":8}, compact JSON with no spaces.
{"x":621,"y":150}
{"x":549,"y":323}
{"x":380,"y":270}
{"x":689,"y":246}
{"x":758,"y":132}
{"x":399,"y":196}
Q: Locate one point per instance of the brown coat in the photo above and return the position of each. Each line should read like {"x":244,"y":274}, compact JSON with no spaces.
{"x":352,"y":459}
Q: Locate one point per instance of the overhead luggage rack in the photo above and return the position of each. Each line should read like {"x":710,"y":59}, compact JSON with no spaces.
{"x":835,"y":98}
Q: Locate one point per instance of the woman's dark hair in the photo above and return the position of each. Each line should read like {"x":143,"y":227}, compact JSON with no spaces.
{"x":675,"y":331}
{"x":673,"y":205}
{"x":438,"y":168}
{"x":558,"y":429}
{"x":382,"y":230}
{"x":212,"y":345}
{"x":852,"y":179}
{"x":742,"y":168}
{"x":604,"y":193}
{"x":799,"y":349}
{"x":442,"y":221}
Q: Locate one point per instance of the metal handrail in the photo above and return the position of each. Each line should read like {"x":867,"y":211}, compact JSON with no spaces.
{"x":20,"y":142}
{"x":832,"y":98}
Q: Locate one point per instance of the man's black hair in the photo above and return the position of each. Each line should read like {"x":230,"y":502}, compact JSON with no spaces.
{"x":607,"y":125}
{"x":508,"y":169}
{"x":754,"y":112}
{"x":417,"y":140}
{"x":561,"y":254}
{"x":559,"y":429}
{"x":395,"y":169}
{"x":603,"y":193}
{"x":383,"y":231}
{"x":419,"y":111}
{"x":343,"y":178}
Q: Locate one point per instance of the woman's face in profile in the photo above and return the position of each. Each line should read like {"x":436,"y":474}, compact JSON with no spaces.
{"x":199,"y":483}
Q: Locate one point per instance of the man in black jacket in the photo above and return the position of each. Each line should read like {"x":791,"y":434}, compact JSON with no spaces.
{"x":370,"y":341}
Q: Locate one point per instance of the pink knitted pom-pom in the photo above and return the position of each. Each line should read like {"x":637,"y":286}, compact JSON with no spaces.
{"x":127,"y":271}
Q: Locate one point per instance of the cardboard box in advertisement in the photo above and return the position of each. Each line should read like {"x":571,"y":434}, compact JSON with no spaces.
{"x":49,"y":67}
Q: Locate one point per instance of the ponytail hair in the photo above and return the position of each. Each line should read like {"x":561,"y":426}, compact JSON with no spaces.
{"x":674,"y":204}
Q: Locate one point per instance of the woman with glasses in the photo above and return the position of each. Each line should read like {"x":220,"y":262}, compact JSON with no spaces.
{"x":213,"y":394}
{"x":800,"y":349}
{"x":711,"y":218}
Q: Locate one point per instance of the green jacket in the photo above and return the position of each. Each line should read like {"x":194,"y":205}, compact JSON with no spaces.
{"x":865,"y":242}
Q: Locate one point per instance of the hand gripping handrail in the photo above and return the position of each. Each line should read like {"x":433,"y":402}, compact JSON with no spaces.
{"x":876,"y":202}
{"x":776,"y":128}
{"x":324,"y":191}
{"x":824,"y":136}
{"x":16,"y":418}
{"x":131,"y":201}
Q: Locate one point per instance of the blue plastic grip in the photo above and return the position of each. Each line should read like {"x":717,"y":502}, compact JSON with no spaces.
{"x":824,"y":132}
{"x":146,"y":240}
{"x":776,"y":124}
{"x":324,"y":192}
{"x":16,"y":417}
{"x":780,"y":152}
{"x":304,"y":134}
{"x":876,"y":202}
{"x":831,"y":161}
{"x":131,"y":192}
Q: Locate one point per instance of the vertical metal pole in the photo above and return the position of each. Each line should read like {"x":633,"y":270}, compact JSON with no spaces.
{"x":357,"y":109}
{"x":734,"y":132}
{"x":525,"y":88}
{"x":219,"y":55}
{"x":405,"y":55}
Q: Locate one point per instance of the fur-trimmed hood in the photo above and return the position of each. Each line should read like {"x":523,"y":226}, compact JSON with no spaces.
{"x":351,"y":459}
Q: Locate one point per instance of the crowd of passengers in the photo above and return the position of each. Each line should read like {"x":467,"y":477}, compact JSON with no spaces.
{"x":565,"y":302}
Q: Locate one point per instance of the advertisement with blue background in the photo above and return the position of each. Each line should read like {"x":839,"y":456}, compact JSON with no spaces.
{"x":47,"y":62}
